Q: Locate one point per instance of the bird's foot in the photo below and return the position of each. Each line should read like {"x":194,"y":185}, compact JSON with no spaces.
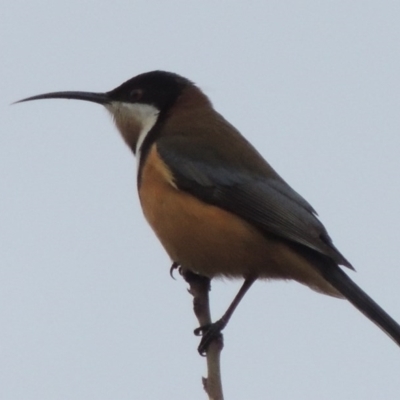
{"x":209,"y":333}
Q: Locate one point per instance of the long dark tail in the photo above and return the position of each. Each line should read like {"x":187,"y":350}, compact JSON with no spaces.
{"x":341,"y":282}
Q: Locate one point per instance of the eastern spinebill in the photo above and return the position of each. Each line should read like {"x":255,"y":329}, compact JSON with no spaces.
{"x":218,"y":208}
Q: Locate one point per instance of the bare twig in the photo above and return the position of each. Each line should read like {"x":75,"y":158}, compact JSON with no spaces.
{"x":199,"y":289}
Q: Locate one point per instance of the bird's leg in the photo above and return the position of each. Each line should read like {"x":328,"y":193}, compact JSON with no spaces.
{"x":212,"y":331}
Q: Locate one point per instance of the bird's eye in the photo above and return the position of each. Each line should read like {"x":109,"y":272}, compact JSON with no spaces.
{"x":136,"y":94}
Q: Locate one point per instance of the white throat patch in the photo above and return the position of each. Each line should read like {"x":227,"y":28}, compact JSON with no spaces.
{"x":145,"y":115}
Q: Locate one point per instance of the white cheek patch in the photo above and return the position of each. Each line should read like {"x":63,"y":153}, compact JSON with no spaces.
{"x":145,"y":115}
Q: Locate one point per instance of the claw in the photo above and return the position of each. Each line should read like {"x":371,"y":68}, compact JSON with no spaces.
{"x":209,"y":333}
{"x":174,"y":266}
{"x":201,"y":330}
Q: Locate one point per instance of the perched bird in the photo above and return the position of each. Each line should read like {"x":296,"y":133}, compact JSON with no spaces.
{"x":217,"y":207}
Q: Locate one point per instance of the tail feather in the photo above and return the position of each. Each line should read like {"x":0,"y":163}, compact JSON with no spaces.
{"x":355,"y":295}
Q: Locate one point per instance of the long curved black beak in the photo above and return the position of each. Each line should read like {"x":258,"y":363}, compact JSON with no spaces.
{"x":100,"y":98}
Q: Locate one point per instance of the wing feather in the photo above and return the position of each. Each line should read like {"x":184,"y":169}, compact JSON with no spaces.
{"x":259,"y":196}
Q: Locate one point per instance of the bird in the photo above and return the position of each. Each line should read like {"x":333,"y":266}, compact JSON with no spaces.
{"x":216,"y":205}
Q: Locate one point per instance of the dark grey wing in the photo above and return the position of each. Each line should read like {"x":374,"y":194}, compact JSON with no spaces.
{"x":259,"y":196}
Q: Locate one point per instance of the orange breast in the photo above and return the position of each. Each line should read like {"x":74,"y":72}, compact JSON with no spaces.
{"x":210,"y":240}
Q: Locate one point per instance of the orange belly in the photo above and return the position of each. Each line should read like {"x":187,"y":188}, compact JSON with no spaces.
{"x":211,"y":241}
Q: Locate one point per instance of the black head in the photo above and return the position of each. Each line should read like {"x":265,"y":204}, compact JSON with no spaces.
{"x":157,"y":88}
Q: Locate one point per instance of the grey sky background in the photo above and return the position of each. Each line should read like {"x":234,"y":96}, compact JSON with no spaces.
{"x":87,"y":307}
